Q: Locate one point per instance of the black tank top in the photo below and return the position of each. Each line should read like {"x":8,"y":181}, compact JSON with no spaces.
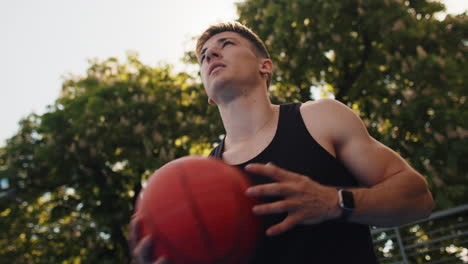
{"x":294,"y":149}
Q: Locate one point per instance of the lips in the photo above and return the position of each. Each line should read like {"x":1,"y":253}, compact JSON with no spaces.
{"x":215,"y":66}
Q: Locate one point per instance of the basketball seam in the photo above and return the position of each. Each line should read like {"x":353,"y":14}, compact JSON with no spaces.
{"x":240,"y":224}
{"x":196,"y":211}
{"x":162,"y":239}
{"x":233,"y":253}
{"x":243,"y":217}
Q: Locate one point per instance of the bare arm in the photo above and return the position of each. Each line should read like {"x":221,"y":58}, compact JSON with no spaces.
{"x":393,"y":193}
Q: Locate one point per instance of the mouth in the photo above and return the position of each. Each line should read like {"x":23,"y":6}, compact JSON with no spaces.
{"x":215,"y":66}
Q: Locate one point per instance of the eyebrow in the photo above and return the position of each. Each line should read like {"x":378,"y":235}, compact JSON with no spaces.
{"x":219,"y":41}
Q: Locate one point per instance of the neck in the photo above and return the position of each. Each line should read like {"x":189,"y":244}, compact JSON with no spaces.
{"x":247,"y":115}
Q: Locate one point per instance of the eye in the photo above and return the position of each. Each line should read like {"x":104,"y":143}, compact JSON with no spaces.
{"x":227,"y":42}
{"x":202,"y":58}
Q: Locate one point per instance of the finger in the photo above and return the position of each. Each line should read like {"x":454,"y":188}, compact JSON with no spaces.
{"x":276,"y":207}
{"x":285,"y":225}
{"x":144,"y":250}
{"x":162,"y":260}
{"x":271,"y":189}
{"x":271,"y":171}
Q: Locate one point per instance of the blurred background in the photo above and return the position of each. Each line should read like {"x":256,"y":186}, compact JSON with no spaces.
{"x":96,"y":95}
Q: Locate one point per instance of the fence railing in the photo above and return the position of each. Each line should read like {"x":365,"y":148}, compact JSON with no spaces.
{"x":440,"y":239}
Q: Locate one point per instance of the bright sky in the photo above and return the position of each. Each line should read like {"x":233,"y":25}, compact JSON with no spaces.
{"x":40,"y":41}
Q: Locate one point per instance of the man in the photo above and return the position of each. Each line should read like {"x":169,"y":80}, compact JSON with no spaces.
{"x":322,"y":178}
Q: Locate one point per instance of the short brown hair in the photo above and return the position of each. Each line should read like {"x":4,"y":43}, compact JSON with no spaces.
{"x":259,"y":47}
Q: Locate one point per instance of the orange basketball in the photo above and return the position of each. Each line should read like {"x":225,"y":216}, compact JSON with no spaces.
{"x":196,"y":210}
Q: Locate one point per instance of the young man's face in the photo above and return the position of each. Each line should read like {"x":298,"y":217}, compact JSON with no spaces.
{"x":229,"y":66}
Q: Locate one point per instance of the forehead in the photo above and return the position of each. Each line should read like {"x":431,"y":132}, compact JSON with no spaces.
{"x":228,"y":34}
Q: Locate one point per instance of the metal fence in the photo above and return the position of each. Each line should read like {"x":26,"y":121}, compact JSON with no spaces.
{"x":441,"y":238}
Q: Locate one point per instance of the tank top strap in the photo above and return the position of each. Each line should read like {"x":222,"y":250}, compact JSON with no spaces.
{"x":217,"y":152}
{"x":290,"y":121}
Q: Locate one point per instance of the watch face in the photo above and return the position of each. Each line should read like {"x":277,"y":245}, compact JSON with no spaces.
{"x":346,"y":201}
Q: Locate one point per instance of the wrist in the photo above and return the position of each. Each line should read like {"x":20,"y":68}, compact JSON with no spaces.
{"x":345,"y":203}
{"x":335,"y":210}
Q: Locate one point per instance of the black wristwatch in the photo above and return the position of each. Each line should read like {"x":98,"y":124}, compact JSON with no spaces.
{"x":346,"y":203}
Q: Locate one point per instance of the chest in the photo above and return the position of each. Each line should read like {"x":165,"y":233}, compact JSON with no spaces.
{"x":245,"y":150}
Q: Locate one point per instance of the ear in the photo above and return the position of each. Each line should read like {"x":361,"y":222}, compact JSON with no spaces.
{"x":266,"y":66}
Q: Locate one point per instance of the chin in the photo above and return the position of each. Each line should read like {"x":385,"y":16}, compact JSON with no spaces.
{"x":224,"y":91}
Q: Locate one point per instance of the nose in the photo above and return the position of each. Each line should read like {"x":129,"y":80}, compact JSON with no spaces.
{"x":211,"y":53}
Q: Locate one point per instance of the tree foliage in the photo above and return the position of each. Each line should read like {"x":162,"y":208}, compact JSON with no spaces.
{"x":78,"y":168}
{"x":392,"y":61}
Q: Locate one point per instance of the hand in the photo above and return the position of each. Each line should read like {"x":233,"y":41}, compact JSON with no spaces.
{"x":142,"y":249}
{"x":305,"y":201}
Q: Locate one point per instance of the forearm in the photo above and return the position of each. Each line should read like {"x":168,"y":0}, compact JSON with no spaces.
{"x":402,"y":198}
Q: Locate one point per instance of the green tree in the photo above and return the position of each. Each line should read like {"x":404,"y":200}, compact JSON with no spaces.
{"x":392,"y":61}
{"x":78,"y":168}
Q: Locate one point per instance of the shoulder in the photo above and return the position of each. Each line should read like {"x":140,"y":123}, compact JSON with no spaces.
{"x":333,"y":117}
{"x":327,"y":110}
{"x":324,"y":106}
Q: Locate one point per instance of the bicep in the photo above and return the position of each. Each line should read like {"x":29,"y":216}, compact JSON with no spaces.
{"x":369,"y":160}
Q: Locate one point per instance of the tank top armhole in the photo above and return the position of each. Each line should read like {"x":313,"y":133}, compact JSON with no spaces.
{"x":303,"y":125}
{"x":217,"y":152}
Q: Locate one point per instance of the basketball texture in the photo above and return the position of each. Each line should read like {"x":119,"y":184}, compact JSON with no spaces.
{"x":196,"y":210}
